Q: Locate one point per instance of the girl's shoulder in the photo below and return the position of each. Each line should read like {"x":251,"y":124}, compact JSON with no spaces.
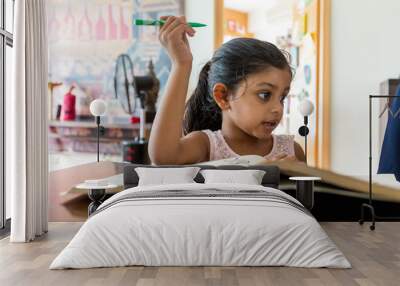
{"x":219,"y":149}
{"x":214,"y":136}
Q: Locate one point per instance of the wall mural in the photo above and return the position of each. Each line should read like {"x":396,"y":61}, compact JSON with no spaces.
{"x":86,"y":37}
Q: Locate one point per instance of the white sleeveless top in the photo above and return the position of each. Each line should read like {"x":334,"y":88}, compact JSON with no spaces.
{"x":219,"y":149}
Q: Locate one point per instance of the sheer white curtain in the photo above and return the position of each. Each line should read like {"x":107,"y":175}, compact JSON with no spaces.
{"x":26,"y":121}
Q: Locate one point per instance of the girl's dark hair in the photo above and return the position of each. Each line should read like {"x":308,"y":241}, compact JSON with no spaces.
{"x":230,"y":64}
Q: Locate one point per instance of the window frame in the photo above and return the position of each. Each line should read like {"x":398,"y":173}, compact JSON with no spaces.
{"x":6,"y":39}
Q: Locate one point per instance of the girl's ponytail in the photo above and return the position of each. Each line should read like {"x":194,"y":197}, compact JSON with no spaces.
{"x":201,"y":110}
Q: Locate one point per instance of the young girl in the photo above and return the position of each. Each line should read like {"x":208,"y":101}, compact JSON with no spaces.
{"x":236,"y":105}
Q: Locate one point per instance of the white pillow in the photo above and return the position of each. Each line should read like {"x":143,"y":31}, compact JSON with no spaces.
{"x":248,"y":177}
{"x":162,"y":176}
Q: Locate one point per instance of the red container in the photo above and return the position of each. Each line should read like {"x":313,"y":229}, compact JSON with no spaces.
{"x":68,"y":107}
{"x":135,"y":119}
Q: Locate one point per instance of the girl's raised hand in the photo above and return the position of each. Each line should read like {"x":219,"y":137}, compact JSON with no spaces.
{"x":172,"y":36}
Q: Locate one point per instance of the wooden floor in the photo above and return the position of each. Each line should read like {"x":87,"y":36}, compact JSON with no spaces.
{"x":374,"y":255}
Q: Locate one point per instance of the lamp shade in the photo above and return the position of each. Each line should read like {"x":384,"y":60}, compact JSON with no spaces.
{"x":98,"y":107}
{"x":306,"y":107}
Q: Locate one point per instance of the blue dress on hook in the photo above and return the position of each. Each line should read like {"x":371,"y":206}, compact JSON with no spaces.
{"x":390,"y":156}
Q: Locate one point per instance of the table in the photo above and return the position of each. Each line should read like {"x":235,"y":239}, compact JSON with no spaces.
{"x":96,"y":194}
{"x":67,"y":204}
{"x":305,"y":190}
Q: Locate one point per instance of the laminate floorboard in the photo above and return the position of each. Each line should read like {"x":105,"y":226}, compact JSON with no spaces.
{"x":374,"y":255}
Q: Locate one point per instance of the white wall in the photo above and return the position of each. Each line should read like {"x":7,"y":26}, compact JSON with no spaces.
{"x":268,"y":24}
{"x":365,"y":51}
{"x":202,"y":44}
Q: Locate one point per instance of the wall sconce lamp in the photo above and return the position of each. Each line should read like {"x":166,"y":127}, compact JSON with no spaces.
{"x":98,"y":108}
{"x":306,"y":108}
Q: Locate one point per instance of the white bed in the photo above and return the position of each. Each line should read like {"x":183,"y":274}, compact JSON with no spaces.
{"x":269,"y":228}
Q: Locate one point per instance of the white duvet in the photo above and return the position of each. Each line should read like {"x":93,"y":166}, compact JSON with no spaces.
{"x":185,"y":231}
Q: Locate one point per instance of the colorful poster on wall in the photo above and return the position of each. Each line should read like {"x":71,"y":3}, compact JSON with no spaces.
{"x":86,"y":37}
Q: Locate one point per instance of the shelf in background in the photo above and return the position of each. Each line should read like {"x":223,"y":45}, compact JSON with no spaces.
{"x":90,"y":124}
{"x":102,"y":139}
{"x":81,"y":136}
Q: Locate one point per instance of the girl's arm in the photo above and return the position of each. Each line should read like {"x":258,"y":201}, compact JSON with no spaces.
{"x":166,"y":144}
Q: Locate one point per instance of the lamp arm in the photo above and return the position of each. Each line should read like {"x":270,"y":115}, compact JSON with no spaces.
{"x":303,"y":131}
{"x":98,"y":136}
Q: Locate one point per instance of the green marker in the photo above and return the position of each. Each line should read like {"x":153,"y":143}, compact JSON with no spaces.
{"x":141,"y":22}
